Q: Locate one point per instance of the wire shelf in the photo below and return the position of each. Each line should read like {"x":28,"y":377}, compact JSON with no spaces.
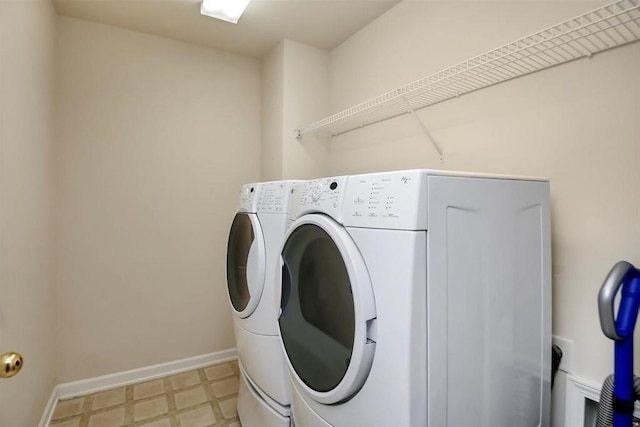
{"x":613,"y":25}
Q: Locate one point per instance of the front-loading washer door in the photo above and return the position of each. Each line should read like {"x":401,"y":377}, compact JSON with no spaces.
{"x":246,"y":263}
{"x":327,"y":310}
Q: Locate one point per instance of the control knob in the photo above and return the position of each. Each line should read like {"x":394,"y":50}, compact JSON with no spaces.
{"x":244,"y":194}
{"x":316,"y":192}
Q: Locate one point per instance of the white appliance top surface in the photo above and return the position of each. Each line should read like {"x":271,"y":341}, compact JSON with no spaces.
{"x":442,"y":172}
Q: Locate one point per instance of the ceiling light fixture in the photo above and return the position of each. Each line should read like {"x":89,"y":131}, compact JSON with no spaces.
{"x":227,"y":10}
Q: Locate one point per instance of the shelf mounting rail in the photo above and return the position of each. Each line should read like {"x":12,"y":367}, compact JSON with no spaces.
{"x":601,"y":29}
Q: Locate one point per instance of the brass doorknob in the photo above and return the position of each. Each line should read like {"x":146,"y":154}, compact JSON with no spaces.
{"x":10,"y":364}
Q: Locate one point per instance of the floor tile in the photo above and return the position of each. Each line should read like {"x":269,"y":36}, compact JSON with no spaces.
{"x":226,"y":387}
{"x":205,"y":397}
{"x":218,"y":371}
{"x":150,"y":408}
{"x":68,"y":408}
{"x":185,"y":399}
{"x":235,"y":367}
{"x":148,"y":389}
{"x":111,"y":418}
{"x":109,"y":398}
{"x":201,"y":417}
{"x":185,"y":380}
{"x":229,"y":408}
{"x":164,"y":422}
{"x":71,"y":423}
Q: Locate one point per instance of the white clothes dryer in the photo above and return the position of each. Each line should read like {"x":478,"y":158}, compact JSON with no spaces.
{"x":253,"y":274}
{"x":418,"y":298}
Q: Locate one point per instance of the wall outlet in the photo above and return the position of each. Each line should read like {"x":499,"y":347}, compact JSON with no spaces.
{"x":566,"y":345}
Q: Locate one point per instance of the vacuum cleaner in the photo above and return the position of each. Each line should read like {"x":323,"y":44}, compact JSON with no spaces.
{"x":622,"y":389}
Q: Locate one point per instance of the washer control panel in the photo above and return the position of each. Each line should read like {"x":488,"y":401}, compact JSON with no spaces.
{"x":249,"y":197}
{"x":394,"y":200}
{"x":274,"y":196}
{"x":320,"y":195}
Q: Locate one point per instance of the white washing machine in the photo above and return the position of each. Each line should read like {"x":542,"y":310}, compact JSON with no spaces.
{"x":253,"y":274}
{"x":419,"y":298}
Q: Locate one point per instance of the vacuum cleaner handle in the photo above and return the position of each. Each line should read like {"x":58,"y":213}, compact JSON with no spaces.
{"x":607,"y":295}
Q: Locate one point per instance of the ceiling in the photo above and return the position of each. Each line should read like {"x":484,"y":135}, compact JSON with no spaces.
{"x":320,"y":23}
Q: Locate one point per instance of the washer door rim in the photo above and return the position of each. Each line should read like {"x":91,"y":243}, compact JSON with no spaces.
{"x":363,"y":305}
{"x":255,"y":268}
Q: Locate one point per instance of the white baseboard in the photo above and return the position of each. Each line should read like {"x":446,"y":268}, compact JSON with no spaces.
{"x":147,"y":373}
{"x":48,"y":410}
{"x":578,"y":390}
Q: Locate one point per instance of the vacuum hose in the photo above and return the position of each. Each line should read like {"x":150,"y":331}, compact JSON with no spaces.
{"x":605,"y":407}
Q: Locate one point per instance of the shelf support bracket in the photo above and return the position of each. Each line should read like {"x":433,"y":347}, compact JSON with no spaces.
{"x":424,"y":128}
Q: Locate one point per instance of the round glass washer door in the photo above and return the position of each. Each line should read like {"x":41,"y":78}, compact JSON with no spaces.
{"x":327,"y":305}
{"x":246,"y":264}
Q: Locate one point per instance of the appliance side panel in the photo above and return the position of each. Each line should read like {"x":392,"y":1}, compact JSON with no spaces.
{"x":489,"y":304}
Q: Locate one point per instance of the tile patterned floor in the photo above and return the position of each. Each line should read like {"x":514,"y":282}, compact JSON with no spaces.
{"x":204,"y":397}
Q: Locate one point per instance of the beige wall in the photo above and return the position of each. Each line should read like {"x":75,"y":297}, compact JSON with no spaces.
{"x":576,"y":124}
{"x":295,"y":90}
{"x":272,"y":86}
{"x":305,"y":97}
{"x":27,"y":31}
{"x":154,"y":138}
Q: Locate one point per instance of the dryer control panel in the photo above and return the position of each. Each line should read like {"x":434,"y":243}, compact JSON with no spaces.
{"x":249,"y":197}
{"x":274,"y":196}
{"x":320,"y":195}
{"x":391,"y":200}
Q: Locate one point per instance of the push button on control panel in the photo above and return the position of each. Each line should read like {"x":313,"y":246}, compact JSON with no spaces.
{"x":386,"y":200}
{"x":376,"y":198}
{"x":273,"y":198}
{"x":321,"y":194}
